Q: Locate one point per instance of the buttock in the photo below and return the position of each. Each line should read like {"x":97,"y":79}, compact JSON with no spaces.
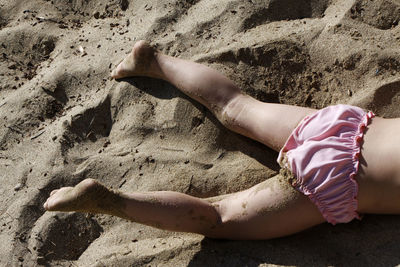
{"x":322,"y":157}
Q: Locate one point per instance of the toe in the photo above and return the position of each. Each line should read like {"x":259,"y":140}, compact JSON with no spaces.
{"x":46,"y":205}
{"x":53,"y":192}
{"x":116,"y":73}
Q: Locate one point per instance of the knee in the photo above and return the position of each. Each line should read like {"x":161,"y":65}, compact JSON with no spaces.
{"x":237,"y":223}
{"x":230,"y":114}
{"x":224,"y":226}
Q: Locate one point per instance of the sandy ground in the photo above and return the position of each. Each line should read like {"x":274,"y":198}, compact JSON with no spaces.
{"x":62,"y":120}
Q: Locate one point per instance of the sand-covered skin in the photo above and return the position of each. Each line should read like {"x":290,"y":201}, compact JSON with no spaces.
{"x":63,"y":120}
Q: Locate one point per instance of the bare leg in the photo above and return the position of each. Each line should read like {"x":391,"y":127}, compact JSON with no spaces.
{"x":268,"y":210}
{"x":162,"y":209}
{"x":268,"y":123}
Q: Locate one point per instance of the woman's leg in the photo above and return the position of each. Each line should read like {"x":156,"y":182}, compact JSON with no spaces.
{"x":268,"y":123}
{"x":268,"y":210}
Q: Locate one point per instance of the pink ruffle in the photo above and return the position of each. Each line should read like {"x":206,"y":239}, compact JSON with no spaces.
{"x":323,"y":153}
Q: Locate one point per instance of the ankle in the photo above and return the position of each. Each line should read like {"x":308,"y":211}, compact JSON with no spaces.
{"x":111,"y":202}
{"x":155,"y":70}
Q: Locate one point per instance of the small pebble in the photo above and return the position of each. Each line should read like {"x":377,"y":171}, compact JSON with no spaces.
{"x":96,"y":14}
{"x":18,"y":187}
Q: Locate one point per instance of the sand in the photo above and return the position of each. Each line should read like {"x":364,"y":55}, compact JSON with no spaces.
{"x":63,"y":120}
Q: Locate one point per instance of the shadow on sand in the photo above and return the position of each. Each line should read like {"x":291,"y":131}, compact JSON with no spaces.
{"x":374,"y":241}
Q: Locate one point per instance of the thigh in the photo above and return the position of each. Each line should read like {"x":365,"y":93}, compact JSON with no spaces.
{"x":268,"y":210}
{"x":268,"y":123}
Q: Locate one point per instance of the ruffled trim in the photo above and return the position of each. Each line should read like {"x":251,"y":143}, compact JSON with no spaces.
{"x":330,"y":215}
{"x":359,"y":138}
{"x":325,"y":200}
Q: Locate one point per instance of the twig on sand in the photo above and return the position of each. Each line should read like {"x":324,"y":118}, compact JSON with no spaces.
{"x":48,"y":19}
{"x":3,"y":104}
{"x":37,"y":135}
{"x":50,"y":253}
{"x":172,"y":149}
{"x":91,"y":122}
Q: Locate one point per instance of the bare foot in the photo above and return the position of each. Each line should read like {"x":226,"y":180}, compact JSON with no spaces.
{"x":140,"y":62}
{"x":87,"y":196}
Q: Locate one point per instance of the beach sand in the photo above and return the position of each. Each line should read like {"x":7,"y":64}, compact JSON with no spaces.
{"x":63,"y":120}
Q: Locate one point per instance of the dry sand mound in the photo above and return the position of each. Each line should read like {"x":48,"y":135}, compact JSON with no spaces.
{"x":62,"y":120}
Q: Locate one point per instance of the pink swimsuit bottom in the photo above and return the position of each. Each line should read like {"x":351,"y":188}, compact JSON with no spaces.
{"x":323,"y":155}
